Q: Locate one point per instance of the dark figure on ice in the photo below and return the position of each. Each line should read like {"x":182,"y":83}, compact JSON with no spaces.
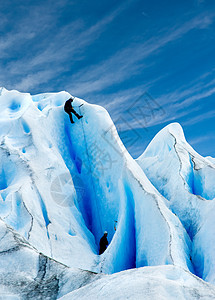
{"x":103,"y":243}
{"x":69,"y":110}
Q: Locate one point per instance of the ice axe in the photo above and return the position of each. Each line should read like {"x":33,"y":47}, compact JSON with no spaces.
{"x":79,"y":105}
{"x":73,"y":98}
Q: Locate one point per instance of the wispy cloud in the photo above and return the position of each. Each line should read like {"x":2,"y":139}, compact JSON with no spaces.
{"x":25,"y":28}
{"x":199,"y":118}
{"x":29,"y":81}
{"x":205,"y":94}
{"x":201,"y":139}
{"x":186,"y":101}
{"x":179,"y":105}
{"x":130,"y":60}
{"x":68,"y":44}
{"x":187,"y":94}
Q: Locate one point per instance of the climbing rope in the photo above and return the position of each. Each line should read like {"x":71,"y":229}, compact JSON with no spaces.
{"x":90,"y":169}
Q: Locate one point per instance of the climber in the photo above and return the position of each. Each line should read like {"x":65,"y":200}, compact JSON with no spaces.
{"x":103,"y":243}
{"x":69,"y":110}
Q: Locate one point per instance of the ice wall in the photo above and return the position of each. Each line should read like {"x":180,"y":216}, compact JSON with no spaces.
{"x":63,"y":184}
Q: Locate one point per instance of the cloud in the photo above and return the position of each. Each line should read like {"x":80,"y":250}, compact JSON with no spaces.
{"x":25,"y":27}
{"x":180,"y":103}
{"x":189,"y":101}
{"x":187,"y":94}
{"x":29,"y":81}
{"x":59,"y":50}
{"x":130,"y":60}
{"x":199,"y":118}
{"x":70,"y":39}
{"x":201,"y":139}
{"x":175,"y":106}
{"x":56,"y":54}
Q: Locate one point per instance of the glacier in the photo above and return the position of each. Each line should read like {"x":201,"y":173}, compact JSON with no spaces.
{"x":62,"y":185}
{"x":186,"y":180}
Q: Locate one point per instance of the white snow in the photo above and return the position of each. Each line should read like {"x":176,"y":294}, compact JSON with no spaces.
{"x":63,"y":184}
{"x":186,"y":179}
{"x":163,"y":282}
{"x":25,"y":273}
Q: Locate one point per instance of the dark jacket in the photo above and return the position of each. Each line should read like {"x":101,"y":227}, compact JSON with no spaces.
{"x":103,"y":244}
{"x":68,"y":106}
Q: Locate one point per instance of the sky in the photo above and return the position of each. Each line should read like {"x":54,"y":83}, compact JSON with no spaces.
{"x":149,"y":63}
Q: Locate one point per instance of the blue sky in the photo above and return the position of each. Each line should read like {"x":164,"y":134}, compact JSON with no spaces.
{"x":132,"y":57}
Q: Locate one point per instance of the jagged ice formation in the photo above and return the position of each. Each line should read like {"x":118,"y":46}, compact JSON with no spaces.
{"x":62,"y":185}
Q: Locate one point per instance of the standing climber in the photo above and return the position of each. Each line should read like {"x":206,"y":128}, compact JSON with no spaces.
{"x":69,"y":110}
{"x":103,"y":243}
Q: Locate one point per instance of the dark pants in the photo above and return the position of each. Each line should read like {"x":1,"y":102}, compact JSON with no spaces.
{"x":70,"y":114}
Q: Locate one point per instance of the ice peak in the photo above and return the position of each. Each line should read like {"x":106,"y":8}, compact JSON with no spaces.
{"x":165,"y":140}
{"x":174,"y":129}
